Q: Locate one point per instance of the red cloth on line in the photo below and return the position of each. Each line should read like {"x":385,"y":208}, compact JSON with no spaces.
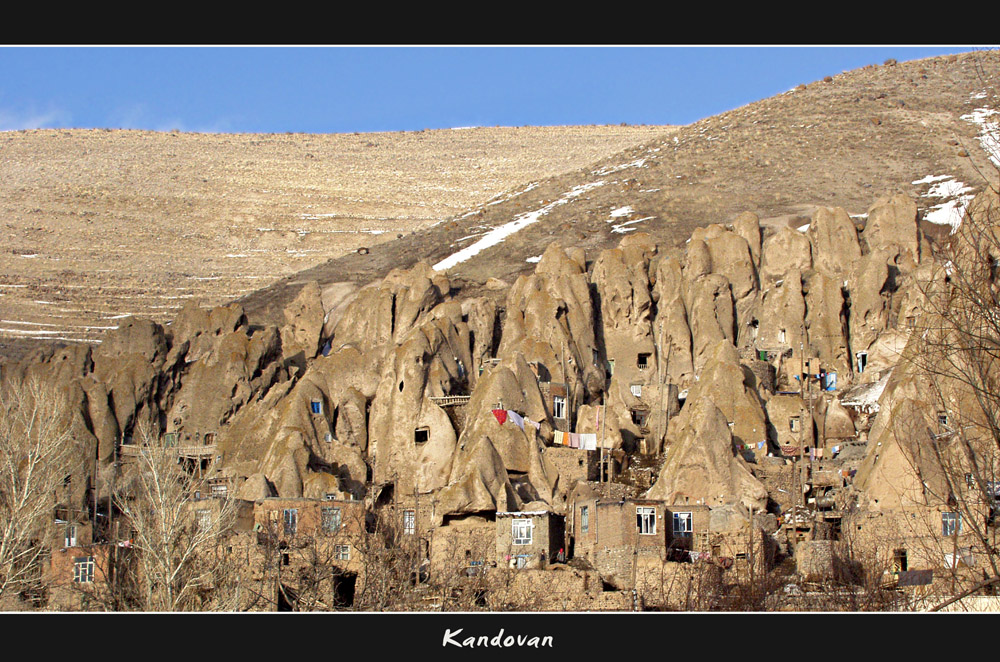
{"x":501,"y":415}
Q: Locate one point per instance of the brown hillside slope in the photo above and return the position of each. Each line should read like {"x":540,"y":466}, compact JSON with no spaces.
{"x":98,"y":224}
{"x":841,"y":142}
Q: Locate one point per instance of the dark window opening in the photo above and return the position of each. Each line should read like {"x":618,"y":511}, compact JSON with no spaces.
{"x":862,"y":361}
{"x":642,"y":361}
{"x":639,"y":417}
{"x":899,"y":562}
{"x":343,"y":588}
{"x":421,"y":435}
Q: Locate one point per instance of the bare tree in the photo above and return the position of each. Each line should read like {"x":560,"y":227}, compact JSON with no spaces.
{"x":37,"y":450}
{"x":181,"y":559}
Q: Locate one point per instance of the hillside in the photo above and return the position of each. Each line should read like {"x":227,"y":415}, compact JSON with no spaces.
{"x":837,"y":142}
{"x":739,"y":336}
{"x":99,"y":224}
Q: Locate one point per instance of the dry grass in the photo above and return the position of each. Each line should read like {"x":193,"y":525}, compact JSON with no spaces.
{"x":98,"y":224}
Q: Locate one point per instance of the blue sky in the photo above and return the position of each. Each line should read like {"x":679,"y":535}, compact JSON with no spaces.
{"x":335,"y":90}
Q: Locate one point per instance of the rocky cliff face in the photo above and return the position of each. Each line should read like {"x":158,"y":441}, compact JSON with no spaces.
{"x":395,"y":383}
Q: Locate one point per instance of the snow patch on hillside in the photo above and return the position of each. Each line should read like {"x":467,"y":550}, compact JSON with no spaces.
{"x":521,"y":221}
{"x":989,"y":132}
{"x":956,"y":197}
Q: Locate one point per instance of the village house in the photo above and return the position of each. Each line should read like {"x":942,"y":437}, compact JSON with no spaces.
{"x":530,"y":539}
{"x":75,"y":574}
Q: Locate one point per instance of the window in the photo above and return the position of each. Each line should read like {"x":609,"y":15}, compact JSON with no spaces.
{"x":520,"y":531}
{"x":316,"y":406}
{"x":639,"y":417}
{"x":330,"y":496}
{"x":331,"y":519}
{"x":558,"y":406}
{"x":793,"y":423}
{"x":942,"y":419}
{"x":951,"y":524}
{"x":83,"y":569}
{"x":645,"y":520}
{"x":219,"y":490}
{"x":781,"y":336}
{"x":683,"y":525}
{"x":584,"y":519}
{"x":611,"y":368}
{"x":636,"y":390}
{"x":70,"y":535}
{"x":642,"y":361}
{"x":597,"y":356}
{"x":204,"y":519}
{"x":409,"y":522}
{"x":899,"y":562}
{"x":342,"y":552}
{"x":911,"y":322}
{"x":291,"y":519}
{"x":862,"y":361}
{"x":421,"y":435}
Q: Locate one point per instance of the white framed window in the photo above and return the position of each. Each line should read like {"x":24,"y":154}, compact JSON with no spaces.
{"x":70,"y":540}
{"x":220,"y":489}
{"x":558,"y":406}
{"x":683,"y":525}
{"x":204,"y":519}
{"x":862,"y":361}
{"x":951,"y":524}
{"x":781,"y":336}
{"x":342,"y":552}
{"x":793,"y":423}
{"x":645,"y":520}
{"x":409,"y":522}
{"x":636,"y":390}
{"x":331,"y":519}
{"x":83,"y":569}
{"x":520,"y":531}
{"x":290,"y":517}
{"x":584,"y":519}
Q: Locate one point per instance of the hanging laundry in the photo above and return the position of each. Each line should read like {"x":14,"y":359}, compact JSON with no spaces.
{"x":574,"y":440}
{"x":589,"y":441}
{"x":812,"y":454}
{"x":559,"y":438}
{"x":819,"y":453}
{"x":516,"y":418}
{"x":534,"y":424}
{"x":501,"y":415}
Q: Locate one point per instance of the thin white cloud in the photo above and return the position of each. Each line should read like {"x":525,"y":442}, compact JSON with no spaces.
{"x":18,"y":120}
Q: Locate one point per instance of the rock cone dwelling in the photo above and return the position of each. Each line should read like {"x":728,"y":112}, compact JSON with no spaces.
{"x":718,"y":423}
